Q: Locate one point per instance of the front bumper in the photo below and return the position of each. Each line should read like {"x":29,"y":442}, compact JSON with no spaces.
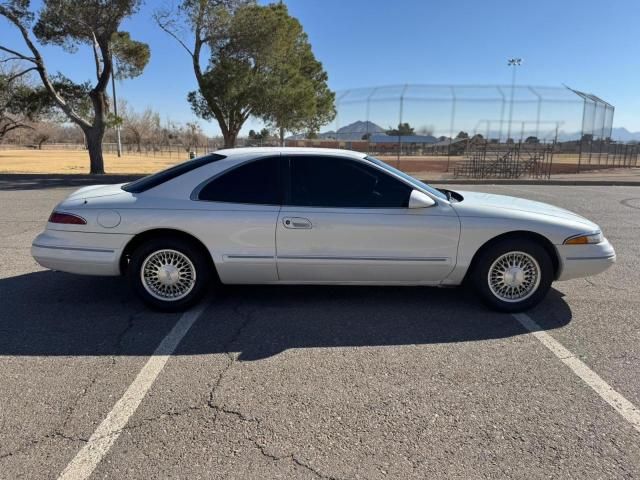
{"x":79,"y":252}
{"x":585,"y":260}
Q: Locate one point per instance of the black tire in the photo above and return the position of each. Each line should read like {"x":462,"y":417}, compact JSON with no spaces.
{"x":199,"y":262}
{"x":487,"y":257}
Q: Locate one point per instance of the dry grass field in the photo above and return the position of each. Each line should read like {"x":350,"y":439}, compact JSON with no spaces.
{"x":77,"y":161}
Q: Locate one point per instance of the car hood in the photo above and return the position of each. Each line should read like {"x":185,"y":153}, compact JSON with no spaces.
{"x":485,"y":203}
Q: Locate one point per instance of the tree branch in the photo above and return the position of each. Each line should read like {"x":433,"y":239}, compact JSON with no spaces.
{"x":18,"y":55}
{"x":9,"y":59}
{"x":107,"y":66}
{"x":42,"y":70}
{"x":14,"y":125}
{"x":164,"y":25}
{"x":13,"y":77}
{"x":197,"y":48}
{"x":95,"y":55}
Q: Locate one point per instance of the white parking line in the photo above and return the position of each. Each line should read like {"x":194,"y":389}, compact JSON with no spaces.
{"x":109,"y":430}
{"x":620,"y":404}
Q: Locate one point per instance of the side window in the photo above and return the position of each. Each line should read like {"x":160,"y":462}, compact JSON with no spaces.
{"x":256,"y":182}
{"x":340,"y":182}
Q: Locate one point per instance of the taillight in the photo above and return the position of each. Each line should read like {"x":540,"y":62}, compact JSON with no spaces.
{"x":68,"y":218}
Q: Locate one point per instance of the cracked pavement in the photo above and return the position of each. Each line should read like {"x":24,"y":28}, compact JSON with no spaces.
{"x":321,"y":382}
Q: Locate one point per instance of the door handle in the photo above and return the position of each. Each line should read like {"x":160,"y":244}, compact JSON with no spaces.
{"x":296,"y":222}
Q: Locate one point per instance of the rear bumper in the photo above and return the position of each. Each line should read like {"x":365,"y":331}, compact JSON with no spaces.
{"x":585,"y":260}
{"x":77,"y":252}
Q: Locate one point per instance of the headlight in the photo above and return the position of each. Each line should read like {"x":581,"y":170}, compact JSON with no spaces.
{"x":585,"y":239}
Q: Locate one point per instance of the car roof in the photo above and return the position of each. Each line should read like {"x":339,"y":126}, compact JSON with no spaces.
{"x":231,"y":152}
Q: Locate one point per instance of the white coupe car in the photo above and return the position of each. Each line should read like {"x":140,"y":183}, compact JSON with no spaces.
{"x":314,"y":216}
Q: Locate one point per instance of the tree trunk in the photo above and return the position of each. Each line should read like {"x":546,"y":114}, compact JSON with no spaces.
{"x":230,"y":139}
{"x":95,"y":133}
{"x":94,"y":145}
{"x":281,"y":137}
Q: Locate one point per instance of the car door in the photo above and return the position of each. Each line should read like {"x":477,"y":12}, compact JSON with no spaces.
{"x":238,"y":211}
{"x":347,"y":220}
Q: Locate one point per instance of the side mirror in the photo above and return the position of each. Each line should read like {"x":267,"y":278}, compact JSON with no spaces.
{"x":420,"y":200}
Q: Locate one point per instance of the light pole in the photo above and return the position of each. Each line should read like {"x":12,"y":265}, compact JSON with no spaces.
{"x":512,"y":62}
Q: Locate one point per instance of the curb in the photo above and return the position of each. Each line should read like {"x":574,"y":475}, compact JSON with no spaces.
{"x":29,"y":181}
{"x":80,"y":177}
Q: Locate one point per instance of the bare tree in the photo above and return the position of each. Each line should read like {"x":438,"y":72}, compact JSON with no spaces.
{"x":193,"y":136}
{"x":52,"y":131}
{"x":43,"y":132}
{"x":141,"y":128}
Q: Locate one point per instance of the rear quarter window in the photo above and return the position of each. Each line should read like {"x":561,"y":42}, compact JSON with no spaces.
{"x":150,"y":181}
{"x":256,"y":182}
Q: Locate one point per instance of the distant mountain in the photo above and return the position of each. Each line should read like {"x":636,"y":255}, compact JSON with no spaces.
{"x":621,"y":134}
{"x":351,"y":132}
{"x":618,"y":134}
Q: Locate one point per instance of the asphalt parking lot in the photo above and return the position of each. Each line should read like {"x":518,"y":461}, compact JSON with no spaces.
{"x":309,"y":382}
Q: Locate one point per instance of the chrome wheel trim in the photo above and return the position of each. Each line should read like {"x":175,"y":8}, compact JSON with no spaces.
{"x":514,"y":276}
{"x":168,"y":275}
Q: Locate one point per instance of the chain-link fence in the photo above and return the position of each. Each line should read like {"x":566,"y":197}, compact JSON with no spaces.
{"x":448,"y":124}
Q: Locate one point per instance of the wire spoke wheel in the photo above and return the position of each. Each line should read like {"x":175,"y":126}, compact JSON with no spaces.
{"x":514,"y":276}
{"x":168,"y":275}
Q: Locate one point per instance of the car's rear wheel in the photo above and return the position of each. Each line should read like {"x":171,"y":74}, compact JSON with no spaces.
{"x":169,"y":274}
{"x":513,"y":275}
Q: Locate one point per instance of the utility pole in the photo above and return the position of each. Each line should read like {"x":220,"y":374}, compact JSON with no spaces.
{"x":512,"y":62}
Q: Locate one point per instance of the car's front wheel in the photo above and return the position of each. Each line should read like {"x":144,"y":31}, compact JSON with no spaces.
{"x":169,"y":274}
{"x":513,"y":275}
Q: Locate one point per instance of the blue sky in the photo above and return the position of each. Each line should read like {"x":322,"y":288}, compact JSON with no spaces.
{"x":590,"y":45}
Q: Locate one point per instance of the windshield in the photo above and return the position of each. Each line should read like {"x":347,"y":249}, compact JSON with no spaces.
{"x":413,"y":181}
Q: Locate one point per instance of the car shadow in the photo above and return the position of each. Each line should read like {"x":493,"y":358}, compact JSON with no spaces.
{"x":56,"y":314}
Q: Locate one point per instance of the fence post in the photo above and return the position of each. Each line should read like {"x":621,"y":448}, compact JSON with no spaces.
{"x":367,"y":133}
{"x":501,"y":113}
{"x":404,"y":89}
